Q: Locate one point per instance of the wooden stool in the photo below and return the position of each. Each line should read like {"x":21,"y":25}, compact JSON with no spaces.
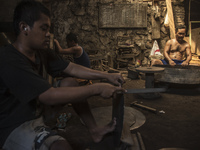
{"x":149,"y":80}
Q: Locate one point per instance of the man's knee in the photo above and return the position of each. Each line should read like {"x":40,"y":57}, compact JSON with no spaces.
{"x":156,"y":62}
{"x":60,"y":145}
{"x":68,"y":82}
{"x":153,"y":62}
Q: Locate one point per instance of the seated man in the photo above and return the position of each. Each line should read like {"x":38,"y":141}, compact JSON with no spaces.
{"x":79,"y":55}
{"x":22,"y":85}
{"x":175,"y":50}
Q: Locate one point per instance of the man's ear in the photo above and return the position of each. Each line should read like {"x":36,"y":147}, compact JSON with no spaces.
{"x":23,"y":28}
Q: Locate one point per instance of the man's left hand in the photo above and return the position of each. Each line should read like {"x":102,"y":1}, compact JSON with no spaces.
{"x":185,"y":63}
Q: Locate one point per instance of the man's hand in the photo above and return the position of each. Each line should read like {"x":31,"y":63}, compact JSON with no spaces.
{"x":116,"y":79}
{"x":107,"y":90}
{"x":184,"y":63}
{"x":172,"y":63}
{"x":56,"y":41}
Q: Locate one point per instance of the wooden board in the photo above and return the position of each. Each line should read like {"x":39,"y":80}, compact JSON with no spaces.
{"x":155,"y":28}
{"x":123,"y":15}
{"x":195,"y":41}
{"x":171,"y":18}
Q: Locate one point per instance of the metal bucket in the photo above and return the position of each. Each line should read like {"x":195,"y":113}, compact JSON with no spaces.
{"x":132,"y":73}
{"x":180,"y":74}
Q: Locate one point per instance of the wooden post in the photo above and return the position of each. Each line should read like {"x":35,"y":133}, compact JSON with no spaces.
{"x":155,"y":21}
{"x":171,"y":19}
{"x":118,"y":113}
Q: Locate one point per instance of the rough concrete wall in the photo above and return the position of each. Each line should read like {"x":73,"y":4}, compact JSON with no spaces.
{"x":7,"y":10}
{"x":81,"y":17}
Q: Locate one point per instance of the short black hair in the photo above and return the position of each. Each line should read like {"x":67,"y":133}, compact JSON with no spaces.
{"x":28,"y":11}
{"x":72,"y":37}
{"x":180,"y":27}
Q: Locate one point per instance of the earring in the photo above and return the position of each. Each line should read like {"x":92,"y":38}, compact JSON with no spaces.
{"x":25,"y":29}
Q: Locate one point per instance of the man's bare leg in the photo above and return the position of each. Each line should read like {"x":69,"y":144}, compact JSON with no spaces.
{"x":60,"y":145}
{"x":83,"y":110}
{"x":97,"y":133}
{"x":156,"y":62}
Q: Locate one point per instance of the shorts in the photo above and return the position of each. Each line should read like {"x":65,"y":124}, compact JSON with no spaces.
{"x":57,"y":83}
{"x":31,"y":135}
{"x":178,"y":62}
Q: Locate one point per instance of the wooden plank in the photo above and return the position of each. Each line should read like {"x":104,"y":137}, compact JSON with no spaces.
{"x":195,"y":41}
{"x":155,"y":19}
{"x":171,"y":19}
{"x":194,"y":38}
{"x":155,"y":28}
{"x":123,"y":15}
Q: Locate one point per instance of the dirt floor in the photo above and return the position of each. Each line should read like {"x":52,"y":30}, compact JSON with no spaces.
{"x":178,"y":127}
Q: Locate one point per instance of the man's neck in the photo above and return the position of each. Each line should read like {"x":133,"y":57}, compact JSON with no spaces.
{"x":180,"y":40}
{"x":30,"y":54}
{"x":73,"y":45}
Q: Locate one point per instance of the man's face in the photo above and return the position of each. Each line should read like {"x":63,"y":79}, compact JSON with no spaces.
{"x":70,"y":43}
{"x":39,"y":35}
{"x":180,"y":34}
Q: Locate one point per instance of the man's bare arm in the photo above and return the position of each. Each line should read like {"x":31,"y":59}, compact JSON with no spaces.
{"x":63,"y":95}
{"x":188,"y":54}
{"x":167,"y":51}
{"x":76,"y":50}
{"x":87,"y":73}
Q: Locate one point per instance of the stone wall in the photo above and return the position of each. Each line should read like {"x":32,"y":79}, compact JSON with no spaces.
{"x":81,"y":17}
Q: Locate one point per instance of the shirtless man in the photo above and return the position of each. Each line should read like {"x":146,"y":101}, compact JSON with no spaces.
{"x":175,"y":50}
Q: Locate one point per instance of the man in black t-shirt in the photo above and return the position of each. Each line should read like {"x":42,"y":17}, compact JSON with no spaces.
{"x":21,"y":85}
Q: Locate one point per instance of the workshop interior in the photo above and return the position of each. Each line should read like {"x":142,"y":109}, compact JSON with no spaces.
{"x":160,"y":110}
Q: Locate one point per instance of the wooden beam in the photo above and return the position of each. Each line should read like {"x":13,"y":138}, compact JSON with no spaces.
{"x":155,"y":22}
{"x":171,"y":19}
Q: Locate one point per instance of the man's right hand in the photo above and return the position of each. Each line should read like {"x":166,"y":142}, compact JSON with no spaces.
{"x":107,"y":90}
{"x":116,"y":78}
{"x":172,"y":63}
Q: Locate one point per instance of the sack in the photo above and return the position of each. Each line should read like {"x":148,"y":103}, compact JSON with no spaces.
{"x":155,"y":52}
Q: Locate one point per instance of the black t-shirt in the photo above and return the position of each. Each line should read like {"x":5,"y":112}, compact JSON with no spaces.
{"x":83,"y":59}
{"x":21,"y":82}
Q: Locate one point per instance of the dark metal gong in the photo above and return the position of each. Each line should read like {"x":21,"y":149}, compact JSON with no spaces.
{"x":180,"y":74}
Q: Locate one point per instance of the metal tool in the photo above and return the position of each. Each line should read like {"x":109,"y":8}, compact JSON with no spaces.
{"x":146,"y":90}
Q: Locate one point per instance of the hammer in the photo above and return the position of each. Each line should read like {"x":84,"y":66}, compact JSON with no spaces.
{"x":143,"y":106}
